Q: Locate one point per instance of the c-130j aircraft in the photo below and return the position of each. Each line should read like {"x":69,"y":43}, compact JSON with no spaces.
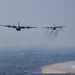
{"x":18,"y":28}
{"x":54,"y":27}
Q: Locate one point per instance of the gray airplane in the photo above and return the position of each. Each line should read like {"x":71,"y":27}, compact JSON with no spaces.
{"x":55,"y":27}
{"x":18,"y":28}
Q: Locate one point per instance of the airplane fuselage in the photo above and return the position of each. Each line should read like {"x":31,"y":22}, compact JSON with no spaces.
{"x":54,"y":28}
{"x":18,"y":29}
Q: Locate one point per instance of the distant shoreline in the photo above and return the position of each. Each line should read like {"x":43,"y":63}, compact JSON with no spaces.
{"x":59,"y":68}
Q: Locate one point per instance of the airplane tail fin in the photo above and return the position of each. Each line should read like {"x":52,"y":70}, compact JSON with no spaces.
{"x":54,"y":25}
{"x":18,"y":24}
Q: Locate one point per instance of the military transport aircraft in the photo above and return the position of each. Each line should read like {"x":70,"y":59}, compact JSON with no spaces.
{"x":55,"y":27}
{"x":18,"y":28}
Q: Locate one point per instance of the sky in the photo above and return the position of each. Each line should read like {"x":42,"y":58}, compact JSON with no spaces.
{"x":38,"y":13}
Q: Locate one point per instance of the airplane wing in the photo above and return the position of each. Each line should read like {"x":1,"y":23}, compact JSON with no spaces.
{"x":6,"y":26}
{"x":22,"y":27}
{"x":13,"y":26}
{"x":60,"y":26}
{"x":28,"y":27}
{"x":9,"y":26}
{"x":48,"y":27}
{"x":51,"y":27}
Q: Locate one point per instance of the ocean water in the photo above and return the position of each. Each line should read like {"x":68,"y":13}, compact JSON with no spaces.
{"x":22,"y":61}
{"x":73,"y":66}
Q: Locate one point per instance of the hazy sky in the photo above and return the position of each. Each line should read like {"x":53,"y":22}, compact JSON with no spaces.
{"x":38,"y":13}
